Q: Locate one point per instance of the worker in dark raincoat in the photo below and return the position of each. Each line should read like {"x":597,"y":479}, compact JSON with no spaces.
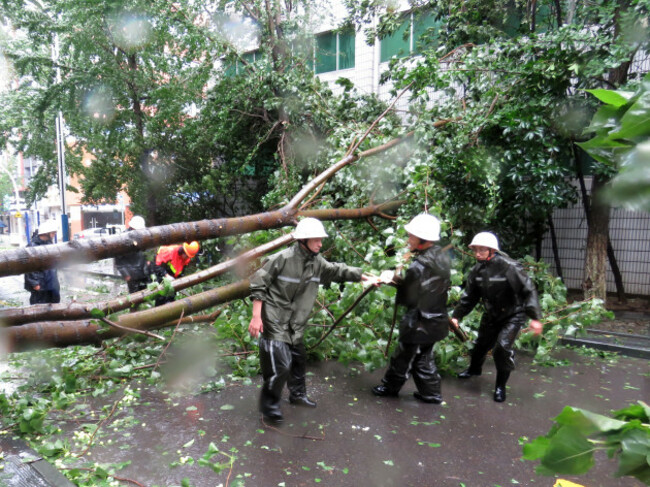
{"x":133,"y":267}
{"x":423,"y":291}
{"x":509,"y":298}
{"x":43,"y":285}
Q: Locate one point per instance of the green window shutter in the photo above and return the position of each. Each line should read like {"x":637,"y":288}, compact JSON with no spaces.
{"x":260,"y":56}
{"x":346,"y":50}
{"x":513,"y":21}
{"x":326,"y":52}
{"x":422,"y":22}
{"x":544,"y":18}
{"x":397,"y":44}
{"x":249,"y":57}
{"x":229,"y":69}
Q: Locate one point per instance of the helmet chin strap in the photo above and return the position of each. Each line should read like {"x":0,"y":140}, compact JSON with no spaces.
{"x":423,"y":245}
{"x":303,"y":244}
{"x":489,"y":257}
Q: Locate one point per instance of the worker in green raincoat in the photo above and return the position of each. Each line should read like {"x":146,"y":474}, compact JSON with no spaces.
{"x":283,"y":293}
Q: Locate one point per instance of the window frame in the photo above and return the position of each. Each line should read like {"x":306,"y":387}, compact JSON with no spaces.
{"x":338,"y":54}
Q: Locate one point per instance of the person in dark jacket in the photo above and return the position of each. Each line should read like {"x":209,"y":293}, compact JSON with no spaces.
{"x":43,"y":285}
{"x":283,"y":293}
{"x":423,"y":291}
{"x":509,"y":298}
{"x":133,"y":267}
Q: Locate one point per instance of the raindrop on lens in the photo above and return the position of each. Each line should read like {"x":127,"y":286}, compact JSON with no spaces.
{"x":99,"y":106}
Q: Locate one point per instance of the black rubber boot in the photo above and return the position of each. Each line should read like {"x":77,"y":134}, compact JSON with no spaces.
{"x":302,"y":401}
{"x":500,"y":389}
{"x":383,"y":391}
{"x":469,"y":372}
{"x":433,"y":399}
{"x":273,"y":418}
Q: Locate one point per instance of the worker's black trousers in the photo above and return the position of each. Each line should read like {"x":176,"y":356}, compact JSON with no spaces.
{"x":416,"y":360}
{"x":136,"y":285}
{"x":281,"y":364}
{"x":44,"y":297}
{"x":500,"y":338}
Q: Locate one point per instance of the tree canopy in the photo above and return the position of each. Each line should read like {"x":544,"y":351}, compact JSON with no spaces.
{"x":202,"y":109}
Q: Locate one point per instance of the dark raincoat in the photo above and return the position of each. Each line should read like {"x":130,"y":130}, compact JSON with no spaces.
{"x":47,"y":279}
{"x":424,"y":293}
{"x":509,"y":297}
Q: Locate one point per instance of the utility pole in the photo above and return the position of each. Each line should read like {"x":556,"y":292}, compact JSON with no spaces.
{"x":60,"y":149}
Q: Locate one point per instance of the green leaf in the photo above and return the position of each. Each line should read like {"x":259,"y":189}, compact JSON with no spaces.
{"x":97,"y":313}
{"x":635,"y":451}
{"x":124,"y":370}
{"x":536,"y":449}
{"x":569,"y":452}
{"x":636,"y":121}
{"x":611,"y":97}
{"x":587,"y":422}
{"x":605,"y":120}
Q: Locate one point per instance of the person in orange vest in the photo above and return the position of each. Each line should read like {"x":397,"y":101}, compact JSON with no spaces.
{"x":171,"y":260}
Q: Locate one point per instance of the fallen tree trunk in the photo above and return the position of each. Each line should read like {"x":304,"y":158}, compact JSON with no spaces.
{"x":89,"y":332}
{"x":80,"y":311}
{"x":29,"y":259}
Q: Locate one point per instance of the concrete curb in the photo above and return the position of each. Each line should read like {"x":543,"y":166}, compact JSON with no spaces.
{"x":23,"y":467}
{"x":624,"y":343}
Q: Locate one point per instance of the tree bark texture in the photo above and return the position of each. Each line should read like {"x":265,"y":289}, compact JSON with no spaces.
{"x":88,"y":332}
{"x":79,"y":311}
{"x":618,"y":278}
{"x":29,"y":259}
{"x":594,"y":283}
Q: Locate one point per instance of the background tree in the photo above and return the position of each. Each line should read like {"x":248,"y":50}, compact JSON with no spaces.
{"x":167,"y":117}
{"x":168,"y":103}
{"x":126,"y":71}
{"x":516,"y":80}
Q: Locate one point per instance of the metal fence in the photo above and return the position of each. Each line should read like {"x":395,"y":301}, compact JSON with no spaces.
{"x":629,"y":233}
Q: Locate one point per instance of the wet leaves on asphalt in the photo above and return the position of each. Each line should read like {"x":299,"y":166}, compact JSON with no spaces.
{"x":431,"y":445}
{"x":424,"y":423}
{"x":325,"y":467}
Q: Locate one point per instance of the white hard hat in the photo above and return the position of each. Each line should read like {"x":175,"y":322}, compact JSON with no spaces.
{"x":137,"y":223}
{"x":309,"y":228}
{"x":485,"y":239}
{"x":48,"y":226}
{"x":425,"y":227}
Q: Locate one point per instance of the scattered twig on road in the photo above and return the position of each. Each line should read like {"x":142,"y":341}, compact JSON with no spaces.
{"x":304,"y":437}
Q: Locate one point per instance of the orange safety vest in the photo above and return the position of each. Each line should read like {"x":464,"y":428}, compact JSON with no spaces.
{"x":168,"y":254}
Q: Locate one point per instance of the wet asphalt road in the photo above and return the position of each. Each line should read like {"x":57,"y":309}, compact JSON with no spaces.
{"x":355,"y":439}
{"x":76,"y":285}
